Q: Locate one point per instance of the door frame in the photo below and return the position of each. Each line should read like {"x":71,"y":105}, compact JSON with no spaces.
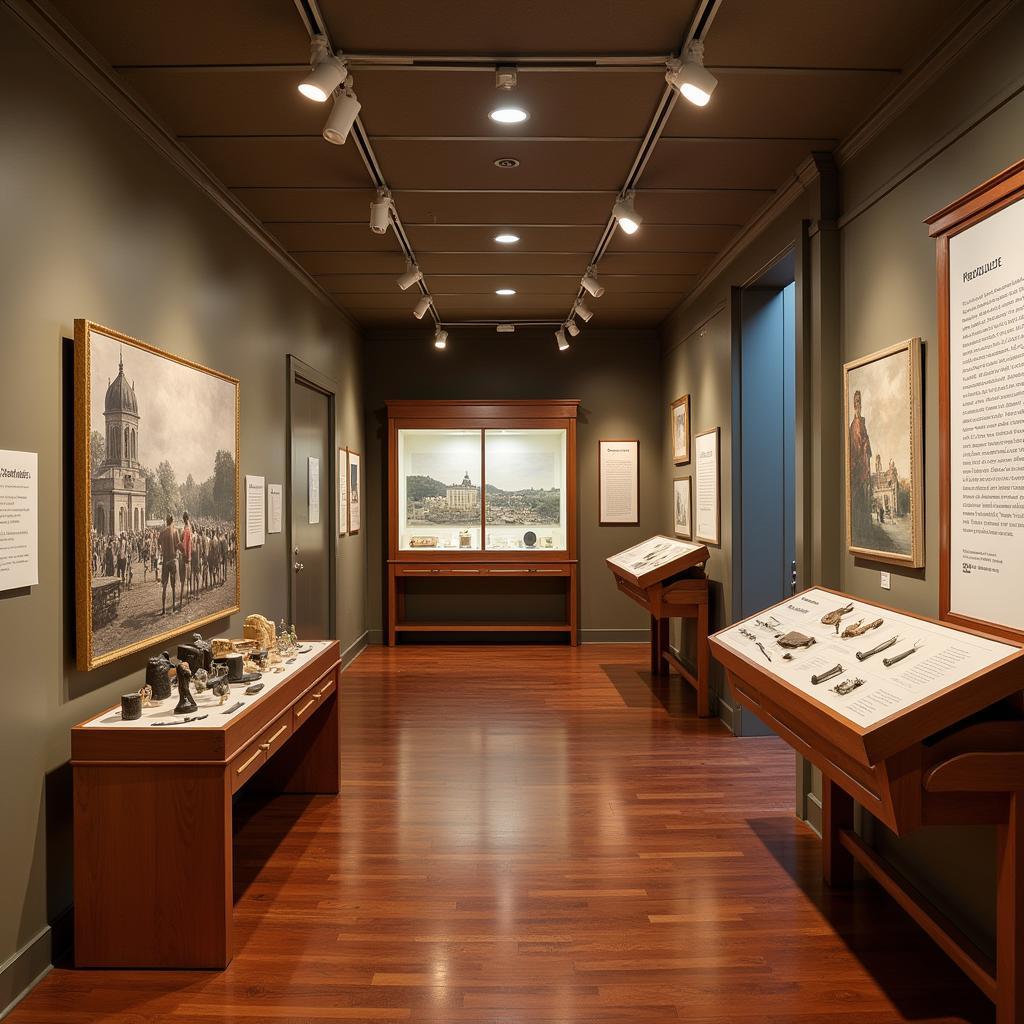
{"x":302,"y":373}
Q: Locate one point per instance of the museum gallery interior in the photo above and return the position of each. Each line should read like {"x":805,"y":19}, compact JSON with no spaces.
{"x":512,"y":513}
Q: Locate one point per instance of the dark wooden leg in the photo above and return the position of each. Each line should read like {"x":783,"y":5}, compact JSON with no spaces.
{"x":574,"y":609}
{"x":153,"y":866}
{"x":656,"y":659}
{"x":703,"y":663}
{"x":1010,"y":916}
{"x":836,"y":815}
{"x":394,"y":590}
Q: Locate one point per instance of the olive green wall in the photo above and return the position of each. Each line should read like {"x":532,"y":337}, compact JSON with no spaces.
{"x":616,"y":376}
{"x":96,"y":224}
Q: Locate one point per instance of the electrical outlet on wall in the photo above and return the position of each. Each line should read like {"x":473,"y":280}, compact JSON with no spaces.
{"x":886,"y":581}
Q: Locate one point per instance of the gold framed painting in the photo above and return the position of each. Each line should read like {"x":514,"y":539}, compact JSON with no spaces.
{"x":680,"y":416}
{"x":156,"y":495}
{"x":883,"y":455}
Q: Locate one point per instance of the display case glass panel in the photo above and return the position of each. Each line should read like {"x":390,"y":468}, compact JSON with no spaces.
{"x":524,"y":471}
{"x":439,"y":506}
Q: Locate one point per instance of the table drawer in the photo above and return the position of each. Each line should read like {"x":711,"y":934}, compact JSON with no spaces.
{"x":528,"y":570}
{"x":245,"y":764}
{"x":275,"y":735}
{"x":440,"y":570}
{"x":304,"y":707}
{"x":426,"y":571}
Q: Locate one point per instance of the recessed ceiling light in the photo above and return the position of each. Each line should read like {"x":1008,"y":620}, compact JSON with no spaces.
{"x":508,"y":115}
{"x":506,"y":238}
{"x":505,"y":291}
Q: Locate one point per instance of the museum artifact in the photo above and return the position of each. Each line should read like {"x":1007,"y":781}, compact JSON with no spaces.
{"x":864,"y":655}
{"x":158,"y":676}
{"x":427,"y":541}
{"x":205,"y":650}
{"x":763,"y":651}
{"x":860,"y":627}
{"x":191,"y":655}
{"x":529,"y":538}
{"x":131,"y":706}
{"x":234,"y":707}
{"x":124,"y":438}
{"x":547,"y":541}
{"x":825,"y":676}
{"x":794,"y":639}
{"x":680,"y":426}
{"x":465,"y":539}
{"x":146,"y":693}
{"x":770,"y":623}
{"x":221,"y":688}
{"x":254,"y":688}
{"x":896,"y":658}
{"x":749,"y":635}
{"x":832,"y":618}
{"x":184,"y":721}
{"x":883,"y":455}
{"x":235,"y":664}
{"x":186,"y":702}
{"x":847,"y":686}
{"x":260,"y":629}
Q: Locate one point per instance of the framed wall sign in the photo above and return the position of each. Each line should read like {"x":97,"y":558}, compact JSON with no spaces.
{"x":682,"y":508}
{"x":883,"y":457}
{"x":156,"y":495}
{"x":980,"y":255}
{"x":680,"y":415}
{"x":355,"y":492}
{"x":618,"y":482}
{"x":342,"y":491}
{"x":707,"y":515}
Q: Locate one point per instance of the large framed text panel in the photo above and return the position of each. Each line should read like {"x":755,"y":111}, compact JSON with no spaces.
{"x":980,"y":265}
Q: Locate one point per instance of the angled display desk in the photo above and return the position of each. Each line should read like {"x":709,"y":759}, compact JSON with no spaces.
{"x":665,"y":576}
{"x":153,"y":810}
{"x":932,"y":737}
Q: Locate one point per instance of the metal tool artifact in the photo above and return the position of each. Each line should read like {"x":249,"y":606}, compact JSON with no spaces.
{"x":234,"y":707}
{"x":864,"y":655}
{"x":825,"y":676}
{"x":183,"y":721}
{"x":763,"y":651}
{"x":859,"y":628}
{"x":889,"y":662}
{"x":847,"y":686}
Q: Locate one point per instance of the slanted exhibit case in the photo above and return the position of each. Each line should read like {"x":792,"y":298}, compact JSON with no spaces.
{"x":481,"y":491}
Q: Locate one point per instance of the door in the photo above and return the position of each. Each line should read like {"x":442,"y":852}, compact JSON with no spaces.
{"x":312,"y":505}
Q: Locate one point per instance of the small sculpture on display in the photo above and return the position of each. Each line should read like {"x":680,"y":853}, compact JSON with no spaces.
{"x":190,"y":655}
{"x":200,"y":679}
{"x":205,"y":649}
{"x":221,"y":688}
{"x":131,"y":707}
{"x":260,"y":629}
{"x":465,"y":539}
{"x":186,"y":702}
{"x":158,"y":676}
{"x":146,"y":693}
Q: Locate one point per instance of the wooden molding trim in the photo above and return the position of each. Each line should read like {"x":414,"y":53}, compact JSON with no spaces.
{"x":57,"y":34}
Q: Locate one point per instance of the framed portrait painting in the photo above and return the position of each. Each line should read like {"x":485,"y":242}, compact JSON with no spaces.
{"x":681,"y":430}
{"x":682,"y":508}
{"x":156,"y":495}
{"x":883,"y":419}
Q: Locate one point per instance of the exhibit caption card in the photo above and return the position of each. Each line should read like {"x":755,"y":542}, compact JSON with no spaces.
{"x":863,"y":662}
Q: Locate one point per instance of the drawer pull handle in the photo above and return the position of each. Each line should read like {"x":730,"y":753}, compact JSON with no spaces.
{"x":284,"y":728}
{"x":241,"y":768}
{"x":305,"y":707}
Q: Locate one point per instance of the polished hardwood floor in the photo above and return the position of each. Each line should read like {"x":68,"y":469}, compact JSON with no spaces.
{"x":537,"y":834}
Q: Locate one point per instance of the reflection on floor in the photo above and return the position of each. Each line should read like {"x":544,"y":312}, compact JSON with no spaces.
{"x":538,"y":835}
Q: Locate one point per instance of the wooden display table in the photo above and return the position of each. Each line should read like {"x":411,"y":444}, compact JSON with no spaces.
{"x":932,"y":737}
{"x":153,"y":821}
{"x":666,"y":577}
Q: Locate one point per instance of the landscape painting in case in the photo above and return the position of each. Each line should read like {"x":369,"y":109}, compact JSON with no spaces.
{"x":884,"y":500}
{"x":156,"y":495}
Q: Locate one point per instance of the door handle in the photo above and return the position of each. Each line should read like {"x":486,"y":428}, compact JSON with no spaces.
{"x":299,"y":567}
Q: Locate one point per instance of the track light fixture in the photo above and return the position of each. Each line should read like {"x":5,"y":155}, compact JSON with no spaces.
{"x":505,"y":79}
{"x":583,"y":311}
{"x":690,"y":77}
{"x":420,"y":311}
{"x":624,"y":211}
{"x":506,"y":328}
{"x":591,"y":284}
{"x":380,"y":212}
{"x":412,"y":276}
{"x":572,"y":327}
{"x":440,"y":337}
{"x":563,"y":341}
{"x":328,"y":72}
{"x":343,"y":116}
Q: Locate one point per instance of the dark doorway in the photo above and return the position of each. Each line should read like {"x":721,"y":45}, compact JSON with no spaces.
{"x":312,"y":522}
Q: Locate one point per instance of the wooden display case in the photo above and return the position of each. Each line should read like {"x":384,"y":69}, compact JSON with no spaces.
{"x":487,"y":549}
{"x":934,"y":738}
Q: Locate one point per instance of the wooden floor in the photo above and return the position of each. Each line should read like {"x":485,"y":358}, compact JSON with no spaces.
{"x":535,"y":835}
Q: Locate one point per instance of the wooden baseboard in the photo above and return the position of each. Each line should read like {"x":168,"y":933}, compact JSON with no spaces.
{"x":23,"y":970}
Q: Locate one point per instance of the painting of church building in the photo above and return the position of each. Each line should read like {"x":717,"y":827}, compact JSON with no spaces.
{"x":464,"y":496}
{"x":118,"y":487}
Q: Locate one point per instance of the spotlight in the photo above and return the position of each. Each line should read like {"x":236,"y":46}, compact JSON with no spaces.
{"x":690,"y":77}
{"x":563,"y":341}
{"x":343,"y":116}
{"x":572,"y":327}
{"x":505,"y":79}
{"x":625,"y":213}
{"x":505,"y":291}
{"x":328,"y":72}
{"x":440,"y":337}
{"x":421,"y":307}
{"x":583,"y":311}
{"x":380,"y":212}
{"x":506,"y":238}
{"x":591,"y":284}
{"x":506,"y":328}
{"x":508,"y":115}
{"x":412,"y":275}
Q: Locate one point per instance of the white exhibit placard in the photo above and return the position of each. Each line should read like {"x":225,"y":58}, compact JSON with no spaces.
{"x":986,"y":419}
{"x":255,"y":511}
{"x":652,"y":554}
{"x":355,"y":489}
{"x":19,"y":519}
{"x":313,"y":476}
{"x":275,"y":503}
{"x":706,"y":514}
{"x":618,"y":482}
{"x":342,"y":491}
{"x":895,"y":662}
